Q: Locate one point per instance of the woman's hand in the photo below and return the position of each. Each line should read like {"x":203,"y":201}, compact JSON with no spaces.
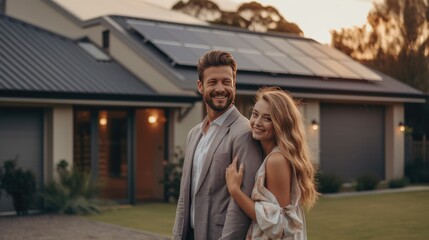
{"x":233,"y":177}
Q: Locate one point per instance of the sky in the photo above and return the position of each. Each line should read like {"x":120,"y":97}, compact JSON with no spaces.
{"x":316,"y":18}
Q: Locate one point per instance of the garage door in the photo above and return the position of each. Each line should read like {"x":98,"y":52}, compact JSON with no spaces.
{"x":352,"y":140}
{"x":21,"y":134}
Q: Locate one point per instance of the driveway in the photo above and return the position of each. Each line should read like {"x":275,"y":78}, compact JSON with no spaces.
{"x":56,"y":227}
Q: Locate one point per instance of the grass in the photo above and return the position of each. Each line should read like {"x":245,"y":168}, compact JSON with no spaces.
{"x":385,"y":216}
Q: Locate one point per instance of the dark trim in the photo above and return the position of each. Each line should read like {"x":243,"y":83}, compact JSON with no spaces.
{"x":337,"y":92}
{"x":100,"y":96}
{"x":131,"y":135}
{"x":94,"y":144}
{"x":106,"y":39}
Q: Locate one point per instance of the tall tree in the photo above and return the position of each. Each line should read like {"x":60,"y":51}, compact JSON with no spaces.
{"x":395,"y":40}
{"x":252,"y":16}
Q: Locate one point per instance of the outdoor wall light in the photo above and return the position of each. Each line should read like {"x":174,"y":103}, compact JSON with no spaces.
{"x":314,"y":125}
{"x":103,"y":121}
{"x":152,"y":119}
{"x":401,"y":126}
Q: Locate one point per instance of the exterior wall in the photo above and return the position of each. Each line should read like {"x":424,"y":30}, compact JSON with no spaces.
{"x":150,"y":146}
{"x":140,"y":67}
{"x":311,"y":111}
{"x":183,"y":125}
{"x":62,"y":136}
{"x":40,"y":13}
{"x":394,"y":142}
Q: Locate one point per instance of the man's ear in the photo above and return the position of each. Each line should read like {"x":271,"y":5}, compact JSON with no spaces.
{"x":200,"y":87}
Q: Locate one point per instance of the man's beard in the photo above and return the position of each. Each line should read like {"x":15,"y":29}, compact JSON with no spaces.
{"x":211,"y":104}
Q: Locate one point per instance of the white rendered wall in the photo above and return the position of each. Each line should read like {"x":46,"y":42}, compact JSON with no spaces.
{"x":394,"y":142}
{"x":62,"y":136}
{"x":311,"y":111}
{"x":40,"y":13}
{"x":182,"y":126}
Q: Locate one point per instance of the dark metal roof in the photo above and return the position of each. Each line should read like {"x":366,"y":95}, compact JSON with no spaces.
{"x":33,"y":60}
{"x":184,"y":76}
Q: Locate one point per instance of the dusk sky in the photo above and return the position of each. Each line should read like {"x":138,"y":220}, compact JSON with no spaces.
{"x":315,"y":17}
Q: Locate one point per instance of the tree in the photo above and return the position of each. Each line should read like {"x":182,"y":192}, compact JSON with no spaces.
{"x":395,"y":41}
{"x":252,"y":16}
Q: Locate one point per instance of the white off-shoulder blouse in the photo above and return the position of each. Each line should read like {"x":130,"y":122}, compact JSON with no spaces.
{"x":272,"y":220}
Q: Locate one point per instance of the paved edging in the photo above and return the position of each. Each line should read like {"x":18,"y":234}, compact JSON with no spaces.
{"x":375,"y":192}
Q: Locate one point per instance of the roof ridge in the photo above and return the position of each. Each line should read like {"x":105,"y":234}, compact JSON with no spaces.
{"x":37,"y":28}
{"x":221,"y":27}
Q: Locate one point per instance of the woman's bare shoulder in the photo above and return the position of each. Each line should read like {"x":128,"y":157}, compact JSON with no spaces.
{"x":277,"y":163}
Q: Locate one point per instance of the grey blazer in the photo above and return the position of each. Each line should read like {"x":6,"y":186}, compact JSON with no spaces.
{"x":217,"y":216}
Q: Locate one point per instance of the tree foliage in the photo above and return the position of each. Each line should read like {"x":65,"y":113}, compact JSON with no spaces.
{"x":252,"y":16}
{"x":395,"y":40}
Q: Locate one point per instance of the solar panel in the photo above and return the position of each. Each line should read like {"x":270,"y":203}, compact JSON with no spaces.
{"x":233,"y":40}
{"x":331,"y":52}
{"x":364,"y":72}
{"x":307,"y":48}
{"x":315,"y":67}
{"x":289,"y":64}
{"x":284,"y":46}
{"x":197,"y":49}
{"x":151,"y":31}
{"x":258,"y":43}
{"x":339,"y":69}
{"x":179,"y":54}
{"x":264,"y":63}
{"x":183,"y":35}
{"x":253,"y":52}
{"x":245,"y":62}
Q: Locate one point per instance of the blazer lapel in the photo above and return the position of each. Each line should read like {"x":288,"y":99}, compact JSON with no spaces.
{"x":223,"y":131}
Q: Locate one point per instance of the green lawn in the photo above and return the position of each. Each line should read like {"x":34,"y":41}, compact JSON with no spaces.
{"x":384,"y":216}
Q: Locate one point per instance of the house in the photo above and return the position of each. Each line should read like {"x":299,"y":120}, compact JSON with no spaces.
{"x":353,"y":114}
{"x":66,"y":99}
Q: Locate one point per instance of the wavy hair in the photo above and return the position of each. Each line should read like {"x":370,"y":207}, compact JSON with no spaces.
{"x":291,"y":139}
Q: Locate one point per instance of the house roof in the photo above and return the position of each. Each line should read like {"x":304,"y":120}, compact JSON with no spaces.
{"x":87,"y":10}
{"x":291,"y":62}
{"x":38,"y":63}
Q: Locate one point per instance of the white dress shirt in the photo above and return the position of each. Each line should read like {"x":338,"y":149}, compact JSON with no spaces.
{"x":201,"y":153}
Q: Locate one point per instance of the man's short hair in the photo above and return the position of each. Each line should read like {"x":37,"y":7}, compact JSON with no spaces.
{"x":216,"y":58}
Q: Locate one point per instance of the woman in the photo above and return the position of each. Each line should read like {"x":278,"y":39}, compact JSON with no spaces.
{"x":285,"y":181}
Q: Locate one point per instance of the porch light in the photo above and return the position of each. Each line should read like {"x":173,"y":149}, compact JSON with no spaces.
{"x":314,"y":125}
{"x":401,"y":126}
{"x":103,"y":121}
{"x":152,"y":119}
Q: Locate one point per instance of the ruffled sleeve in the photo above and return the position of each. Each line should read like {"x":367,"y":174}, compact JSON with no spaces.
{"x":275,"y":221}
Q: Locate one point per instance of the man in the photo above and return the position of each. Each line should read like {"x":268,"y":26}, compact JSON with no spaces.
{"x":205,"y":210}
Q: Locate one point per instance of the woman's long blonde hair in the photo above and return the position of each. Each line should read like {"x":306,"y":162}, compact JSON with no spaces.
{"x":291,"y":139}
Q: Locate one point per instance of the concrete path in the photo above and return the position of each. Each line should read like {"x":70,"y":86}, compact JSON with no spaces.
{"x":64,"y":227}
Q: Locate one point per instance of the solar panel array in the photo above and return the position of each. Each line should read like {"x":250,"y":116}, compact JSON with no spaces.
{"x":253,"y":52}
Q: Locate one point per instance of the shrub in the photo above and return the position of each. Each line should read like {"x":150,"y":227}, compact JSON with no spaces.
{"x":20,"y":185}
{"x":417,"y":171}
{"x":398,"y":183}
{"x":366,"y":182}
{"x":74,"y":193}
{"x":328,"y":183}
{"x":173,"y":176}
